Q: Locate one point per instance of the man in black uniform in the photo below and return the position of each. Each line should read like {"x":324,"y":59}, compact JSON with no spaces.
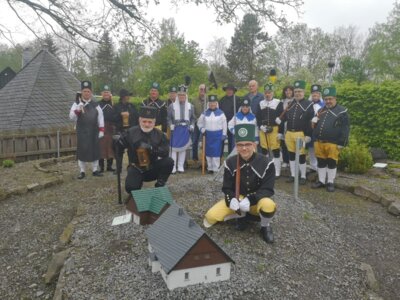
{"x":148,"y":149}
{"x":126,"y":114}
{"x":257,"y":178}
{"x":226,"y":104}
{"x":106,"y":143}
{"x":154,"y":101}
{"x":298,"y":117}
{"x":331,"y":132}
{"x":89,"y":129}
{"x":270,"y":132}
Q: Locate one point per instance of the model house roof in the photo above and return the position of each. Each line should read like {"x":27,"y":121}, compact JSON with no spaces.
{"x":5,"y":76}
{"x":39,"y":96}
{"x":152,"y":199}
{"x":173,"y":235}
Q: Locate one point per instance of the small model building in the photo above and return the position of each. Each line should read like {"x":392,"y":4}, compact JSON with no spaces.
{"x":146,"y":205}
{"x":183,"y":253}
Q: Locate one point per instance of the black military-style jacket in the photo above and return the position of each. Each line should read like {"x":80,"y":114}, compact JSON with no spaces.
{"x":226,"y":104}
{"x":133,"y":115}
{"x":333,"y":125}
{"x":155,"y":141}
{"x":162,"y":113}
{"x":108,"y":110}
{"x":298,"y":116}
{"x":257,"y":178}
{"x":268,"y":112}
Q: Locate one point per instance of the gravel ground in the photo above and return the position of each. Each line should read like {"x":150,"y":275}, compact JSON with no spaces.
{"x":320,"y":243}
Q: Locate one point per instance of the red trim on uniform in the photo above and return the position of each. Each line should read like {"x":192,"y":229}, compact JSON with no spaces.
{"x":101,"y":129}
{"x":77,"y":112}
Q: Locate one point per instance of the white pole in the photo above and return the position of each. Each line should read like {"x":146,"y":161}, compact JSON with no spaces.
{"x":58,"y":143}
{"x":299,"y":141}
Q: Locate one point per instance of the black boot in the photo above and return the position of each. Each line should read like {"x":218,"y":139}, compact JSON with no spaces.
{"x":317,"y":185}
{"x":240,"y":224}
{"x":267,"y":234}
{"x":97,"y":174}
{"x":101,"y":165}
{"x":160,"y":183}
{"x":81,"y":175}
{"x":330,"y":187}
{"x":109,"y":165}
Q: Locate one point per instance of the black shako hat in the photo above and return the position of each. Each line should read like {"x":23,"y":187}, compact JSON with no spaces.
{"x":124,"y":92}
{"x":148,"y":112}
{"x":230,"y":87}
{"x":86,"y":84}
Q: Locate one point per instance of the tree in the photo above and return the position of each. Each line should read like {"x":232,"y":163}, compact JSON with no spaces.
{"x":352,"y":69}
{"x":169,"y":64}
{"x":51,"y":45}
{"x":215,"y":52}
{"x":246,"y":53}
{"x":168,"y":32}
{"x":382,"y":53}
{"x":10,"y":57}
{"x":82,"y":21}
{"x":103,"y":64}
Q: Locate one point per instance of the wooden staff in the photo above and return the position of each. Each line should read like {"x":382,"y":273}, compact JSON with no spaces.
{"x":237,"y":181}
{"x":203,"y":155}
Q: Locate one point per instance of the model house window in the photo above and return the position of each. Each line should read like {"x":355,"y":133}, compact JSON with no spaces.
{"x":218,"y":271}
{"x":207,"y":256}
{"x":196,"y":257}
{"x":186,"y":275}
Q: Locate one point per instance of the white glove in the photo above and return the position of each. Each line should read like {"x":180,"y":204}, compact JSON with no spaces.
{"x":263,"y":128}
{"x":307,"y":139}
{"x":101,"y":134}
{"x":244,"y":205}
{"x":315,"y":120}
{"x":278,"y":121}
{"x":203,"y":130}
{"x":280,"y":136}
{"x":234,"y":204}
{"x":191,"y":128}
{"x":172,"y":127}
{"x":79,"y":107}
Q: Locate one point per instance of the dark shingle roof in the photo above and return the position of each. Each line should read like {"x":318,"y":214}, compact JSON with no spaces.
{"x":39,"y":96}
{"x":5,"y":76}
{"x":173,"y":235}
{"x":152,"y":199}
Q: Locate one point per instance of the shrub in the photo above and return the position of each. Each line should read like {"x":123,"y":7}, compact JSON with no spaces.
{"x":8,"y":163}
{"x":355,"y":158}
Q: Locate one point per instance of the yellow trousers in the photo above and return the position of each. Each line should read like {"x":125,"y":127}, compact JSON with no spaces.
{"x":326,"y":150}
{"x":270,"y":140}
{"x":290,"y":141}
{"x":219,"y":212}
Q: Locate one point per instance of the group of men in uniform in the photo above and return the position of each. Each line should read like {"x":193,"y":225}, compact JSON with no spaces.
{"x":249,"y":176}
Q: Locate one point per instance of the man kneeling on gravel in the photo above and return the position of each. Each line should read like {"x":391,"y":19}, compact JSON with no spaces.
{"x":148,"y":149}
{"x":256,"y":184}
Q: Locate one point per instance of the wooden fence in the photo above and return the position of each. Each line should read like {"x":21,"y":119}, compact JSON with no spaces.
{"x":22,"y":145}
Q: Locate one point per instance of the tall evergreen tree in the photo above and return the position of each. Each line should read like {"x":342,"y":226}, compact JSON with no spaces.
{"x":50,"y":45}
{"x":103,"y":67}
{"x":246,"y":55}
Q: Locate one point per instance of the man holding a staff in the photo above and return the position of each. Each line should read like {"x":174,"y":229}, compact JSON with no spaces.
{"x":248,"y":184}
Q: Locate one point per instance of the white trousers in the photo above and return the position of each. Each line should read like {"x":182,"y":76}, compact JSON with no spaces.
{"x":179,"y":160}
{"x":213,"y":163}
{"x":82,"y":165}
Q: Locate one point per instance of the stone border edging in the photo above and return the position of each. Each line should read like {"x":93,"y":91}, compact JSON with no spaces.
{"x":36,"y":186}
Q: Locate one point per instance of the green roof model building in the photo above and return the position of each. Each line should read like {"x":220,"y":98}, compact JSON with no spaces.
{"x":147,"y":205}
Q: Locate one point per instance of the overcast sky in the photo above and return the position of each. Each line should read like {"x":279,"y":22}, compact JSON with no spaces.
{"x":198,"y":23}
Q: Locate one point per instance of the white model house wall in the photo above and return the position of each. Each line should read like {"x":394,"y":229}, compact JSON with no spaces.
{"x":204,"y":274}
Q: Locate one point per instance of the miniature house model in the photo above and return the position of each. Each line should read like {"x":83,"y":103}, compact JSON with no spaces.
{"x":183,"y":253}
{"x":146,"y":205}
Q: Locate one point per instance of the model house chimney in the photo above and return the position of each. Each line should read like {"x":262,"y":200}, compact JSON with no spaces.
{"x":180,"y":211}
{"x":26,"y":56}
